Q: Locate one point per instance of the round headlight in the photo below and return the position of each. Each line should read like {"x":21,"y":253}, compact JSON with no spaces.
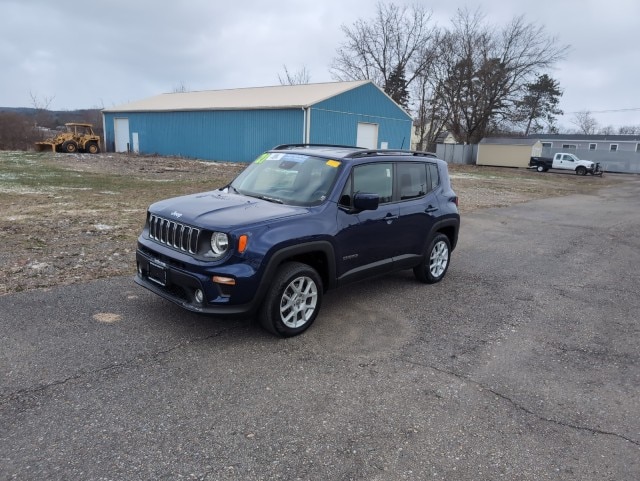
{"x":219,"y":243}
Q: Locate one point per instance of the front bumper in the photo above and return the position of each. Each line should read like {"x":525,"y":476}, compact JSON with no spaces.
{"x":182,"y":287}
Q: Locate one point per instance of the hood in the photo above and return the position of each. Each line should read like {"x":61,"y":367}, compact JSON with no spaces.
{"x":220,"y":210}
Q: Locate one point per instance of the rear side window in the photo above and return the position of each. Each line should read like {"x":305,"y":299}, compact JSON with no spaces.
{"x":413,"y":180}
{"x":433,"y":176}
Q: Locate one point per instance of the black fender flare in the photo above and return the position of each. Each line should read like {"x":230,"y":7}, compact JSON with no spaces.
{"x":282,"y":254}
{"x":445,"y":224}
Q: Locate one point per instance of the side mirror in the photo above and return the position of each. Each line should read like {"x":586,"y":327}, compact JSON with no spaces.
{"x":364,"y":201}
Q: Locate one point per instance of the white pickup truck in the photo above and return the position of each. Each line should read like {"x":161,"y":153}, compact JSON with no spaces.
{"x":565,"y":161}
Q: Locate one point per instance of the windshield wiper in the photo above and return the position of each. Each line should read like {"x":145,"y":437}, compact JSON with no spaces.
{"x":269,"y":199}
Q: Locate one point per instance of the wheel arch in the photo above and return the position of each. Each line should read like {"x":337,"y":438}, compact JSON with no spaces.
{"x":318,"y":254}
{"x":448,"y":227}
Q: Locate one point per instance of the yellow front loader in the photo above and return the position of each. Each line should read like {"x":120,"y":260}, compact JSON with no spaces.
{"x":76,"y":138}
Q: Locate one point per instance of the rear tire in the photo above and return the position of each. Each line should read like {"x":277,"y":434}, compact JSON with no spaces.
{"x":293,"y":300}
{"x":540,"y":168}
{"x":435,"y":262}
{"x":70,"y":147}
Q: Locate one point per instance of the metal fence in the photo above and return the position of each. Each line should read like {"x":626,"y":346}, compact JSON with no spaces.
{"x":457,"y":153}
{"x":618,"y":161}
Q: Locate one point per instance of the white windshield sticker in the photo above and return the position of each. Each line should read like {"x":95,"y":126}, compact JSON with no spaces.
{"x":297,"y":158}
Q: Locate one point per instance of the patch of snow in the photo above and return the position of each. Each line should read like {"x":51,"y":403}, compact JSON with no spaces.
{"x":102,"y":227}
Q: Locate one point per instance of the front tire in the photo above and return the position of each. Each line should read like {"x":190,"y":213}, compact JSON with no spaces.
{"x":92,"y":148}
{"x":435,"y":261}
{"x":581,"y":170}
{"x":70,"y":147}
{"x":293,"y":300}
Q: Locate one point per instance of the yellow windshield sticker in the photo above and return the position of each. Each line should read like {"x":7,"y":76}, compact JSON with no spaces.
{"x":333,"y":163}
{"x":261,"y":159}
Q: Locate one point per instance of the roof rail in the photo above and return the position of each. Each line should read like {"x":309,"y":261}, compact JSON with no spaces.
{"x":412,"y":153}
{"x":297,"y":146}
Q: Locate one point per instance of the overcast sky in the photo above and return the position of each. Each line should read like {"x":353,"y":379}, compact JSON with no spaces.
{"x":99,"y":54}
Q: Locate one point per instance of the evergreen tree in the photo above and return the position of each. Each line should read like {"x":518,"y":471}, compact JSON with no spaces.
{"x":540,"y":102}
{"x":396,"y":87}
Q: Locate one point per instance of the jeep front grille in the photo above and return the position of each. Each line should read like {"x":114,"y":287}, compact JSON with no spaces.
{"x":173,"y":234}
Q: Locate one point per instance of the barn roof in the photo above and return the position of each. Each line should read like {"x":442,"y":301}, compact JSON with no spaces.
{"x":277,"y":97}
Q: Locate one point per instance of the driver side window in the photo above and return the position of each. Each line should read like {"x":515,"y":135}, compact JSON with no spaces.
{"x":371,"y":179}
{"x":374,"y":179}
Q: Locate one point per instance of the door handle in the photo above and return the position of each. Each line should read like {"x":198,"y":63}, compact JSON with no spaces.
{"x":431,"y":208}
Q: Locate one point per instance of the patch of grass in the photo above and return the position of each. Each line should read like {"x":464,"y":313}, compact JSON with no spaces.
{"x":77,"y":217}
{"x":36,"y":171}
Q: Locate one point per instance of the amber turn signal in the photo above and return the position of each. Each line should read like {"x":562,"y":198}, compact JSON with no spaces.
{"x":229,"y":281}
{"x":243,"y":240}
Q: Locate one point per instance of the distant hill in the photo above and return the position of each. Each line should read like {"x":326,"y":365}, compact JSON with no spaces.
{"x":19,"y":110}
{"x":32,"y":111}
{"x":55,"y":118}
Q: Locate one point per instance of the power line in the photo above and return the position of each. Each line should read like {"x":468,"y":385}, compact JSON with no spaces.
{"x":635,"y":109}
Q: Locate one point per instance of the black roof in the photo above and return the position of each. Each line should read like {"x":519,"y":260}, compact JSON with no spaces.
{"x":587,"y":138}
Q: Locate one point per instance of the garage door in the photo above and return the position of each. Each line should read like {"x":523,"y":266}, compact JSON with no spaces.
{"x":121,"y":128}
{"x":367,"y":136}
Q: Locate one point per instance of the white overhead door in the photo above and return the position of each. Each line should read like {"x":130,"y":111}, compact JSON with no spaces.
{"x":367,"y":136}
{"x":121,"y":129}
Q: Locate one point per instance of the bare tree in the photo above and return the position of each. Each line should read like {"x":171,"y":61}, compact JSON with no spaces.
{"x":180,"y":88}
{"x":302,"y":76}
{"x":470,"y":77}
{"x":432,"y":115}
{"x":39,"y":103}
{"x":484,"y":70}
{"x":391,"y":46}
{"x":16,"y":131}
{"x":585,"y":122}
{"x":629,"y":130}
{"x":607,"y":130}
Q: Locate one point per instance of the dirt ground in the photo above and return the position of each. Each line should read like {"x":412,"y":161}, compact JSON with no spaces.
{"x":69,"y":218}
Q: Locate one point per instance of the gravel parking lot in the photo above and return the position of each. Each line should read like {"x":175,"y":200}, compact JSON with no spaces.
{"x":522,"y":364}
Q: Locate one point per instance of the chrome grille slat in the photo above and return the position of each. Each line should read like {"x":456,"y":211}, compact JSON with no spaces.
{"x":177,"y":237}
{"x":174,"y":234}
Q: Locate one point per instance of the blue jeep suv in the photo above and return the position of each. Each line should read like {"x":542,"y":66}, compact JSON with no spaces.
{"x":298,"y":221}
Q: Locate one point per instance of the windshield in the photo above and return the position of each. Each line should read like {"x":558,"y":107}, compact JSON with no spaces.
{"x":79,"y":129}
{"x":285,"y":178}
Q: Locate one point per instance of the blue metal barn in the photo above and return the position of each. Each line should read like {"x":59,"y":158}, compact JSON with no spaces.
{"x":238,"y":124}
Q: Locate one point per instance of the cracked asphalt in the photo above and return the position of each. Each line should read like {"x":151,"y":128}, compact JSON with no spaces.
{"x":522,"y":364}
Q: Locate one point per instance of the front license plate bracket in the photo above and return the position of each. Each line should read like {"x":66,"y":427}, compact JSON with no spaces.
{"x":157,"y":273}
